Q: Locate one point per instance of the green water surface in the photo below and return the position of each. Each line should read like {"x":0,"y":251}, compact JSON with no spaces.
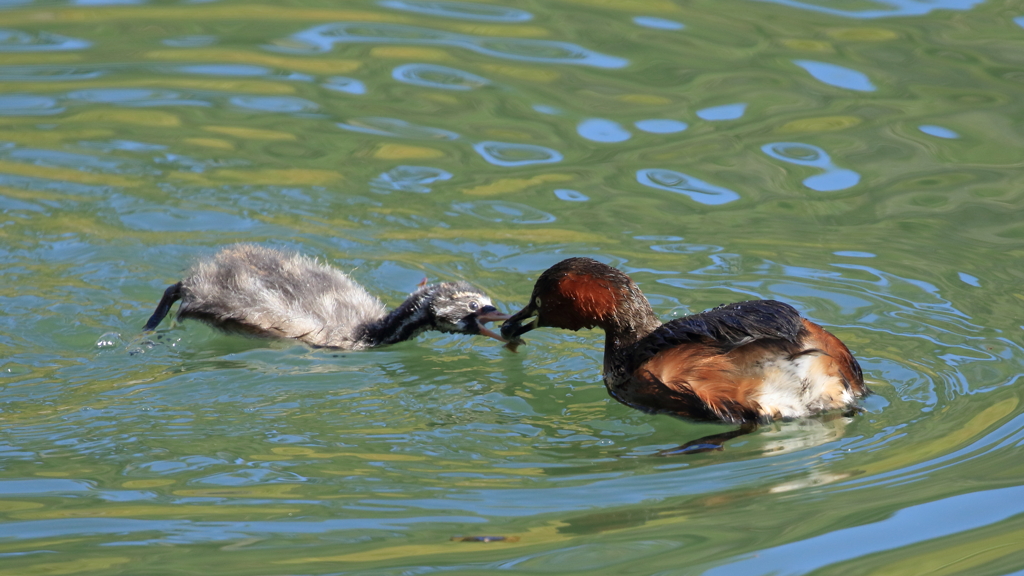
{"x":859,"y":159}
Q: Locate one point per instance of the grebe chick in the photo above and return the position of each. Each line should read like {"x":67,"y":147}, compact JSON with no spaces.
{"x":744,"y":363}
{"x":264,"y":292}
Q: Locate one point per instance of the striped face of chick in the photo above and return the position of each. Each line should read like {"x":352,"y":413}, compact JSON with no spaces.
{"x":462,"y":311}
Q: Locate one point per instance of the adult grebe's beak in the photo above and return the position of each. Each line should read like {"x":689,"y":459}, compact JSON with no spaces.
{"x":518,"y":324}
{"x":489,"y":314}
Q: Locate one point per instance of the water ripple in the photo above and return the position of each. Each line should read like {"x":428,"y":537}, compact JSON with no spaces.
{"x":899,"y":7}
{"x":343,"y":84}
{"x":832,"y":180}
{"x":409,"y":179}
{"x":661,"y":126}
{"x":602,"y":130}
{"x":435,"y":76}
{"x":397,"y":128}
{"x":275,"y":103}
{"x":28,"y":105}
{"x":497,"y":211}
{"x":838,"y":76}
{"x":938,"y":131}
{"x":462,"y":10}
{"x":657,"y":23}
{"x":724,"y":112}
{"x":18,"y":41}
{"x":697,"y":190}
{"x":509,"y":154}
{"x":323,"y":38}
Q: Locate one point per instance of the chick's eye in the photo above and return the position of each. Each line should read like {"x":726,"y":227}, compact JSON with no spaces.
{"x":473,"y":305}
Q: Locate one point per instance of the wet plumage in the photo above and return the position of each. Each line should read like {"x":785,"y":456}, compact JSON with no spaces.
{"x":747,"y":362}
{"x":265,"y":292}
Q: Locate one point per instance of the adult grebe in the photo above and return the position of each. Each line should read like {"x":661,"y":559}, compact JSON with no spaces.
{"x":744,"y":363}
{"x":265,"y":292}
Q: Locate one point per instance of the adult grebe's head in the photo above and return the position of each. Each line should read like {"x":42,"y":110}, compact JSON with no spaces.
{"x":573,"y":294}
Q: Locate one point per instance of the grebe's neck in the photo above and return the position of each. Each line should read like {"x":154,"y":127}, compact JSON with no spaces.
{"x":403,"y":323}
{"x":632,"y":320}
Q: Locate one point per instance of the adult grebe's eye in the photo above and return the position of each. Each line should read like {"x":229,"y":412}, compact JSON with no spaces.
{"x":473,"y":305}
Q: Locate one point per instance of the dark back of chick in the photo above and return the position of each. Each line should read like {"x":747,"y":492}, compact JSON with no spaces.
{"x":265,"y":292}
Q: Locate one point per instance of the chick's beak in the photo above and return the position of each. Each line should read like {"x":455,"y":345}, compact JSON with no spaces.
{"x":520,"y":323}
{"x":489,"y":314}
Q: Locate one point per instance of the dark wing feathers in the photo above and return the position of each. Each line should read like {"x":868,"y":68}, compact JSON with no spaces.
{"x":727,"y":327}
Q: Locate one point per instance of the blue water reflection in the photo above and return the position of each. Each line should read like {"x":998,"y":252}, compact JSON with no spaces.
{"x":509,"y":154}
{"x":832,"y":180}
{"x":49,"y":73}
{"x":658,"y":23}
{"x":697,"y":190}
{"x":938,"y":131}
{"x":133,"y":97}
{"x":602,"y":130}
{"x":661,"y":126}
{"x":343,"y":84}
{"x":838,"y":76}
{"x":498,"y":211}
{"x":461,"y":10}
{"x":897,"y":7}
{"x":323,"y":38}
{"x":436,"y":76}
{"x":275,"y":103}
{"x":724,"y":112}
{"x":571,"y":195}
{"x":197,"y":41}
{"x":18,"y":41}
{"x":397,"y":128}
{"x":409,"y":179}
{"x":28,"y":105}
{"x":906,"y":527}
